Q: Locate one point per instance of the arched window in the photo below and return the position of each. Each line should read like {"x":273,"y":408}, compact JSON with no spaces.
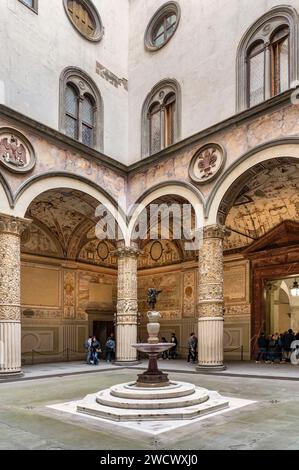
{"x":81,"y":108}
{"x":267,"y":61}
{"x":161,"y":112}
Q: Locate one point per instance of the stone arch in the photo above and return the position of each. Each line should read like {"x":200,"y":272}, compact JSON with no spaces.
{"x":184,"y":190}
{"x":228,"y":186}
{"x":36,"y":186}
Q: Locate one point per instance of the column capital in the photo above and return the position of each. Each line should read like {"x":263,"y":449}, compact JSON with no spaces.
{"x":13,"y":225}
{"x":214,"y":231}
{"x":127,"y":252}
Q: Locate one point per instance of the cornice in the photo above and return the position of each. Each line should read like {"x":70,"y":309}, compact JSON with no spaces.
{"x":271,"y":105}
{"x":56,"y":136}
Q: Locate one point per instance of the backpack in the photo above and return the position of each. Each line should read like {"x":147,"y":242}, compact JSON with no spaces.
{"x":110,"y":344}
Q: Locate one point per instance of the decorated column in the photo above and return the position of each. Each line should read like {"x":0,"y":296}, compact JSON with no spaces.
{"x":11,"y":229}
{"x":127,"y":306}
{"x":210,"y":299}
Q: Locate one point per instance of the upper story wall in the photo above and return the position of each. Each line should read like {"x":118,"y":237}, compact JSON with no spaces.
{"x":201,"y":56}
{"x":36,"y":48}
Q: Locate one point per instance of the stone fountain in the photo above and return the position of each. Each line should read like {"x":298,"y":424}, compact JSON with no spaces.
{"x":152,"y":397}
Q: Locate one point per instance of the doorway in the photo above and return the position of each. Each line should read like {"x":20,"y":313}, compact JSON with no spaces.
{"x":282,"y":306}
{"x":102,"y":329}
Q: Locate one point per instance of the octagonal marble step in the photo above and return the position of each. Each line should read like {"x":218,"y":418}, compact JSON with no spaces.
{"x":213,"y":403}
{"x":199,"y":395}
{"x":131,"y":391}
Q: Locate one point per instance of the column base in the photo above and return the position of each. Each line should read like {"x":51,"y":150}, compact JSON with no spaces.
{"x":126,"y":363}
{"x":210,"y":368}
{"x":11,"y":375}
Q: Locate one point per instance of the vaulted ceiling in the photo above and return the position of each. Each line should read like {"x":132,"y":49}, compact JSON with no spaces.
{"x":266,"y":200}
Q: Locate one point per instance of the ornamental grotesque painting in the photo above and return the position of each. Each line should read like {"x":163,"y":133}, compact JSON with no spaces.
{"x":207,"y":163}
{"x":16,"y":152}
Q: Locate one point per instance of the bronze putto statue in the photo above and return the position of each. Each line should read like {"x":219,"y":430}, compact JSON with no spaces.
{"x":152,"y":295}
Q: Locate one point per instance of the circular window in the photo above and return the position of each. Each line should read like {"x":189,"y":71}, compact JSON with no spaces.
{"x":162,"y":26}
{"x":85,"y":18}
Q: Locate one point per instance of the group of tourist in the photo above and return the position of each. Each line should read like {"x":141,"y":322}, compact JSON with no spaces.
{"x":172,"y":352}
{"x":276,"y":347}
{"x":93,"y":349}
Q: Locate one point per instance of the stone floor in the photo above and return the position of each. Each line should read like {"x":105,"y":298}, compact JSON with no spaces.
{"x":234,"y":368}
{"x":272,"y":422}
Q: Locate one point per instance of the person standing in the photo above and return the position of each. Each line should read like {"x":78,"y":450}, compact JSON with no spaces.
{"x":192,"y":348}
{"x":173,"y":350}
{"x":87,"y":346}
{"x":95,"y":350}
{"x":110,"y":349}
{"x":262,"y":345}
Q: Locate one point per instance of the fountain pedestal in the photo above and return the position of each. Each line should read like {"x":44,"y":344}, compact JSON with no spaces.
{"x":153,"y":377}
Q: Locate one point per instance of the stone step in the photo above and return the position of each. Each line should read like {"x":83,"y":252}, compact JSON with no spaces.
{"x":198,"y":396}
{"x":215,"y":403}
{"x":131,"y":391}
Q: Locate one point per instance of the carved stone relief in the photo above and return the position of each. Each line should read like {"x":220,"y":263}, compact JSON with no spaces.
{"x":207,"y":163}
{"x":16,"y":152}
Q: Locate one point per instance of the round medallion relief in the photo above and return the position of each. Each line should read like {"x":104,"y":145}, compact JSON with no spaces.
{"x":156,"y":251}
{"x":207,"y":163}
{"x":103,"y":251}
{"x":16,"y":152}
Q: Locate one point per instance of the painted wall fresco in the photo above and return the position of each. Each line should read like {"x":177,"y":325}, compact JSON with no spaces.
{"x":236,"y":140}
{"x":52,"y":157}
{"x":268,"y":199}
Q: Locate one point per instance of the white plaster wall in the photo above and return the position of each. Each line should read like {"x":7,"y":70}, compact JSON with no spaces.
{"x":36,"y":48}
{"x":201,"y":56}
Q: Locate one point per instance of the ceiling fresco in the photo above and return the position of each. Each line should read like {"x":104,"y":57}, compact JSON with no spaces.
{"x":67,"y":216}
{"x":268,"y":199}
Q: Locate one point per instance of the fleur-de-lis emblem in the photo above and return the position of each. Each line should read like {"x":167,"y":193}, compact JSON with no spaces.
{"x":207,"y":161}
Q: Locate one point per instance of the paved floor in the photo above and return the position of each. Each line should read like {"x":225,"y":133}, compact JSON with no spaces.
{"x":26,"y":422}
{"x":234,"y":369}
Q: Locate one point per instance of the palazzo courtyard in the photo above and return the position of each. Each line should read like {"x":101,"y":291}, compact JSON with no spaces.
{"x":149,"y":205}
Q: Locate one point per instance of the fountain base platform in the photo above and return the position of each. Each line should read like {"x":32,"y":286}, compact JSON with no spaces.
{"x":130,"y":402}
